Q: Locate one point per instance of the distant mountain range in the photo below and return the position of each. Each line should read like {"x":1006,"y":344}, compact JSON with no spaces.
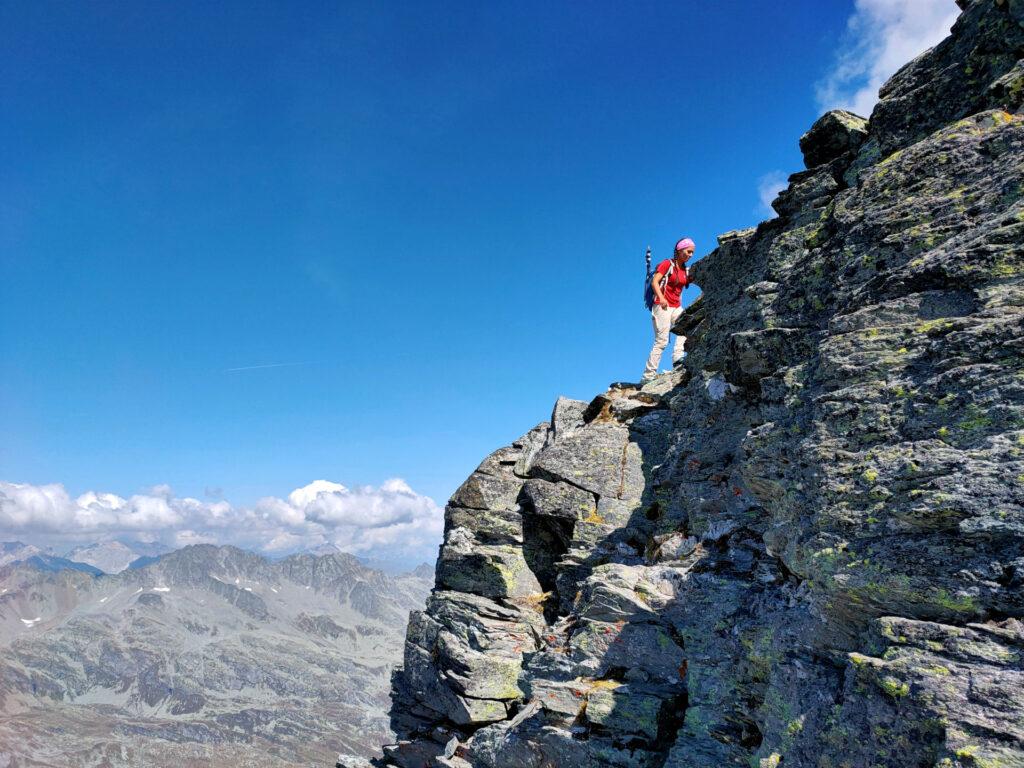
{"x":112,"y":557}
{"x":204,"y":656}
{"x":101,"y":557}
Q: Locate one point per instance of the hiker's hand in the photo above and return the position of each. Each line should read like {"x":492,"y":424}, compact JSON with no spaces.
{"x":663,"y":303}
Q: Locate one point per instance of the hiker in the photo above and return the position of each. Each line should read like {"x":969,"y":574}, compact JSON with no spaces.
{"x":667,"y":283}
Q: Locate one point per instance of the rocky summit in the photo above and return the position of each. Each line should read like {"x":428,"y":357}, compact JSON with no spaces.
{"x":806,"y":546}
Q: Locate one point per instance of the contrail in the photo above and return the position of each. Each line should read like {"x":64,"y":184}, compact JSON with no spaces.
{"x":258,"y":367}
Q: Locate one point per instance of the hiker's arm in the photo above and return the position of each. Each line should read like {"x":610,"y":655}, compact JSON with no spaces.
{"x":656,"y":285}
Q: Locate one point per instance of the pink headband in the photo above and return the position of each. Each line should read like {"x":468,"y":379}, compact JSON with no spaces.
{"x":684,"y":244}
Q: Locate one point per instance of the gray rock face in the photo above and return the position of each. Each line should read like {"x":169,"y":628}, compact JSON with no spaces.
{"x":210,"y":656}
{"x":807,"y":548}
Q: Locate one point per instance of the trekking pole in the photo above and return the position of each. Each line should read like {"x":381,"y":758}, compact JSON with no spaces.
{"x":648,"y":291}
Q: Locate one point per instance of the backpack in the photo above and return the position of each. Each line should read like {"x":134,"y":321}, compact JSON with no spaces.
{"x":648,"y":288}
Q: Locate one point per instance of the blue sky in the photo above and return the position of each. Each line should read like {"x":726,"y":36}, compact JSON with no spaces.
{"x":246,"y":246}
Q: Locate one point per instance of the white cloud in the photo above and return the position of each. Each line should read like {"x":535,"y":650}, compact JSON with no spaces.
{"x":768,"y":188}
{"x":382,"y":522}
{"x":27,"y":506}
{"x":881,"y":36}
{"x":300,"y":497}
{"x":365,"y":507}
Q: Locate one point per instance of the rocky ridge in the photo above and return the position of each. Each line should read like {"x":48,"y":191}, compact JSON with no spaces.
{"x":806,"y":547}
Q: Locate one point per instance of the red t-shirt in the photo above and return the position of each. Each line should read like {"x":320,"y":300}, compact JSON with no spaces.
{"x":673,"y":289}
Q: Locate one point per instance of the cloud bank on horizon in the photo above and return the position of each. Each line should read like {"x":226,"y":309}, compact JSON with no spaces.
{"x":881,"y":36}
{"x":389,"y":522}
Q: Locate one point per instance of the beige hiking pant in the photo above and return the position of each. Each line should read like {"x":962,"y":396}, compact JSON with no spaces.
{"x":663,"y":319}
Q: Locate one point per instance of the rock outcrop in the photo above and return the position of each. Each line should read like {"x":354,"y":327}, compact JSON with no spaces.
{"x":805,"y":548}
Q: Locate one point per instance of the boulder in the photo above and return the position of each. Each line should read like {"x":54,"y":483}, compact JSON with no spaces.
{"x":834,"y":134}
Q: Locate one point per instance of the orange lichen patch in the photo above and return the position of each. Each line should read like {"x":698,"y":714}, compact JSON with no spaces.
{"x":593,"y":517}
{"x":534,"y":601}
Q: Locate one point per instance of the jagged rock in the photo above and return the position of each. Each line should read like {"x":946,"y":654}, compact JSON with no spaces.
{"x":804,"y":548}
{"x":601,"y":459}
{"x":566,"y":416}
{"x":528,"y":446}
{"x":464,"y":653}
{"x":833,"y":135}
{"x":493,"y":485}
